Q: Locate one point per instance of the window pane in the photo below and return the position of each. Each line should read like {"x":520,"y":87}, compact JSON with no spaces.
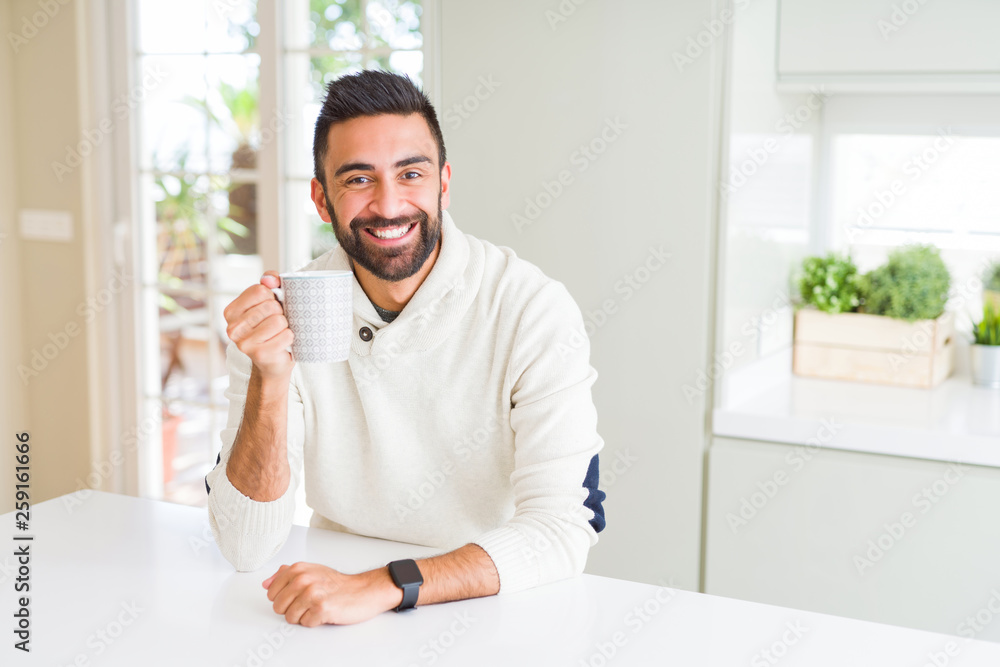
{"x":300,"y":140}
{"x":192,"y":349}
{"x":941,"y":189}
{"x":324,"y":24}
{"x":921,"y":183}
{"x":182,"y":229}
{"x":309,"y":236}
{"x":231,"y":26}
{"x":410,"y":63}
{"x":233,"y":108}
{"x":324,"y":69}
{"x":174,"y":123}
{"x":186,"y":342}
{"x":236,"y":223}
{"x":177,"y":26}
{"x":394,"y":23}
{"x":307,"y":79}
{"x":190,"y":442}
{"x":197,"y":26}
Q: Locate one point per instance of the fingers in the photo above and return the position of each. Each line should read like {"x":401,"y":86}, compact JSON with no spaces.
{"x":251,"y":296}
{"x":267,"y":582}
{"x":257,"y":325}
{"x":245,"y":325}
{"x":284,"y":599}
{"x":293,"y":598}
{"x":276,"y":582}
{"x":312,"y":618}
{"x":289,"y":590}
{"x":297,"y":607}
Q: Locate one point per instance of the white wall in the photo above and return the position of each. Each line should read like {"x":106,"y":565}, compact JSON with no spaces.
{"x":553,"y":87}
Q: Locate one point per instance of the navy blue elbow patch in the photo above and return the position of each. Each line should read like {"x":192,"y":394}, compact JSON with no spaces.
{"x":208,"y":489}
{"x":595,"y":496}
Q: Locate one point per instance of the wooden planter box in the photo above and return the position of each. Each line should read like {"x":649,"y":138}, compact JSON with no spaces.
{"x":873,"y":348}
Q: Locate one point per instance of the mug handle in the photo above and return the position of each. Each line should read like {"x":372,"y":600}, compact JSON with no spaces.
{"x":279,"y":294}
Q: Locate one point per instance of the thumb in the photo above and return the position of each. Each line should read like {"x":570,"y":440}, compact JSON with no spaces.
{"x":270,"y":279}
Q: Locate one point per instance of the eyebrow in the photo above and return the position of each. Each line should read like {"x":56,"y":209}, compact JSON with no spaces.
{"x":364,"y":166}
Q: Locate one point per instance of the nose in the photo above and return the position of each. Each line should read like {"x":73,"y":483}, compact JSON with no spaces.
{"x":387,"y":201}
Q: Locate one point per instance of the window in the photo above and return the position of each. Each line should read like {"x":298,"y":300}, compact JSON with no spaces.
{"x":862,"y":174}
{"x":224,"y":160}
{"x":912,"y":169}
{"x":941,"y":189}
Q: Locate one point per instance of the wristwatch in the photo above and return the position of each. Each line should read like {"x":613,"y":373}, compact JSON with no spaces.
{"x":406,"y":575}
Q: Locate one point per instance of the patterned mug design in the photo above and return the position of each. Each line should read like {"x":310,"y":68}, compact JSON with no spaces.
{"x":319,"y":307}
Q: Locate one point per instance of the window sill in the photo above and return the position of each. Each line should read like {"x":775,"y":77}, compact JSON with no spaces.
{"x":955,"y":421}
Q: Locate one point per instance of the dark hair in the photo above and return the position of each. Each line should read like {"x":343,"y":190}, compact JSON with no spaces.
{"x":371,"y":93}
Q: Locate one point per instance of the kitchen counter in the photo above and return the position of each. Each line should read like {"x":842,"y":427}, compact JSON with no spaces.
{"x":955,"y":421}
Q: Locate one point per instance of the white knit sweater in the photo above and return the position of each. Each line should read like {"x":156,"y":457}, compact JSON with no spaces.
{"x":467,"y":419}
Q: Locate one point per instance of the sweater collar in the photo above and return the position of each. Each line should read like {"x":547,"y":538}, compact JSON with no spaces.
{"x":434,"y":309}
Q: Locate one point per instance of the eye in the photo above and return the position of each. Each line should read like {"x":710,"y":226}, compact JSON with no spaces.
{"x":358,"y":180}
{"x":410,"y":175}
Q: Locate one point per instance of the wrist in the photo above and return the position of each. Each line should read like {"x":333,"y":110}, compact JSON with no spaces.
{"x":389,"y":594}
{"x":271,"y":388}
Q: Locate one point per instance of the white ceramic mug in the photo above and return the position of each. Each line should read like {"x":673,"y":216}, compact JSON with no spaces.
{"x":319,"y":307}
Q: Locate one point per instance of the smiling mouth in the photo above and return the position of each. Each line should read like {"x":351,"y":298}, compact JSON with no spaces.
{"x":390,"y":233}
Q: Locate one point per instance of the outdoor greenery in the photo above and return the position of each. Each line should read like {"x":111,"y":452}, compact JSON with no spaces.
{"x":830,"y":283}
{"x":184,"y":221}
{"x":991,"y":279}
{"x":912,"y":285}
{"x":987,"y":332}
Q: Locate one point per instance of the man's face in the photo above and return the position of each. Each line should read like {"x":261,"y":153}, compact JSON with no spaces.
{"x":384,"y":192}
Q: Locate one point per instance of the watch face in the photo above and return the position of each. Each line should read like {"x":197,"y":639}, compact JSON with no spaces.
{"x":405,"y":572}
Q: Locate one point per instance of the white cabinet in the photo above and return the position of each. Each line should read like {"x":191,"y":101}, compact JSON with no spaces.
{"x":917,"y":40}
{"x":894,"y":540}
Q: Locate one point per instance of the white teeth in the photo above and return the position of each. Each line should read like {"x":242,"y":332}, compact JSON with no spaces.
{"x":391,"y":233}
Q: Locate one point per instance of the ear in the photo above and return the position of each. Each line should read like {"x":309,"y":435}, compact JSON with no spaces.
{"x":445,"y":185}
{"x":319,"y":199}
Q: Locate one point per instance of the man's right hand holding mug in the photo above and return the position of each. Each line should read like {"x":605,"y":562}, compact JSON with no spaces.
{"x":258,"y":327}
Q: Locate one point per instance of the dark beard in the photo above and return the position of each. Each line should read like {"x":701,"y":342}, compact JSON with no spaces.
{"x":389,"y":264}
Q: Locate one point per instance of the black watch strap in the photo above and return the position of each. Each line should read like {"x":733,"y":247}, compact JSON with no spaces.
{"x":410,"y":594}
{"x":406,"y":575}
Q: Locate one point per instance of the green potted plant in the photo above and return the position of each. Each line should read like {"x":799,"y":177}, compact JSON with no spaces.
{"x":985,"y":348}
{"x":991,"y":285}
{"x":912,"y":285}
{"x":887,"y":326}
{"x":830,"y":284}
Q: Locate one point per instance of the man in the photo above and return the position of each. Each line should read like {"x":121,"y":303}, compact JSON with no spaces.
{"x":462,"y":420}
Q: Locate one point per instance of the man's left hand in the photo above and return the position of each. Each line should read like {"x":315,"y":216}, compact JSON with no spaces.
{"x":310,"y":594}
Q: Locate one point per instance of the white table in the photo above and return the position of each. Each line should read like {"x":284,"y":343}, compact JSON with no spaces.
{"x":149,"y":577}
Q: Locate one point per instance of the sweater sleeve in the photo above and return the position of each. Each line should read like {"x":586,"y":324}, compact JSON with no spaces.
{"x":249,"y":533}
{"x":555,"y":439}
